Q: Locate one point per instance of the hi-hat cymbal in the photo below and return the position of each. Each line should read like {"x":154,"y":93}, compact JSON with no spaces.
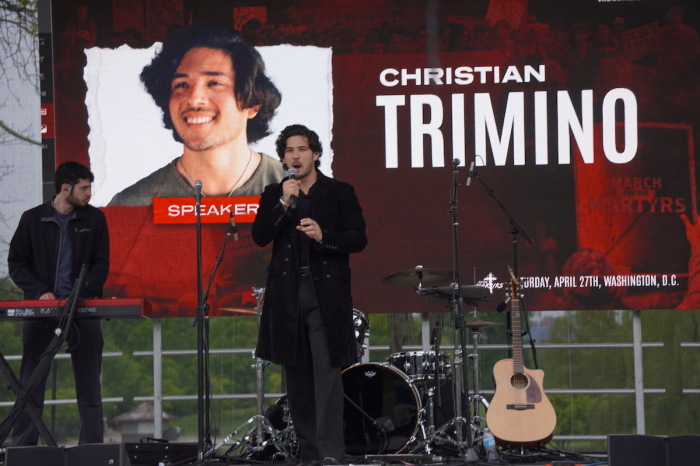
{"x":476,"y":324}
{"x":418,"y":276}
{"x":241,"y":312}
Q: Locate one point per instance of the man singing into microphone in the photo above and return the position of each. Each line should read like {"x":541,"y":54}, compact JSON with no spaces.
{"x":314,"y":222}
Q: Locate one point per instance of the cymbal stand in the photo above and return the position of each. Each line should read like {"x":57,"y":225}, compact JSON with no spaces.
{"x":457,"y":303}
{"x":476,"y":399}
{"x":254,"y":442}
{"x":259,"y":367}
{"x":432,"y":403}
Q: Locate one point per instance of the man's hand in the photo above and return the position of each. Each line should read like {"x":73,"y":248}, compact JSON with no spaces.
{"x":48,"y":295}
{"x":311,"y":228}
{"x":290,"y":188}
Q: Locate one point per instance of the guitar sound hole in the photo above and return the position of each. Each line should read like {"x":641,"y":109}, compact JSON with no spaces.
{"x":519,"y":381}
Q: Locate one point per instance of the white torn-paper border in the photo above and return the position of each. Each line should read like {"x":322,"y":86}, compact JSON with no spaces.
{"x":127,"y":138}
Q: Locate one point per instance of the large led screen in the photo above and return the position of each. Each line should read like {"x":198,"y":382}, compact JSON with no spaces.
{"x":579,"y":117}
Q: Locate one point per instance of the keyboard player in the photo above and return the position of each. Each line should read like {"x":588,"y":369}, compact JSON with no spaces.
{"x":51,"y":243}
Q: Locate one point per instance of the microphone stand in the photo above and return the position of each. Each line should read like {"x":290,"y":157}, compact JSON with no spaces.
{"x":517,"y":230}
{"x":232,"y":230}
{"x":202,"y":323}
{"x":457,"y":305}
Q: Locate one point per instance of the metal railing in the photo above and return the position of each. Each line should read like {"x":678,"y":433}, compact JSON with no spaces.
{"x":636,"y":345}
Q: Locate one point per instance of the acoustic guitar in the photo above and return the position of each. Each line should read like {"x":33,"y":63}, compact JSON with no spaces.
{"x":520,"y":413}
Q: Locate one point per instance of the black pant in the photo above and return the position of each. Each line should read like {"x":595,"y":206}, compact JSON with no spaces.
{"x":85,"y":345}
{"x":314,"y":388}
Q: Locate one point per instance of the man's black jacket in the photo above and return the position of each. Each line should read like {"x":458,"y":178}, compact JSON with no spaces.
{"x":34,"y":249}
{"x":336,"y":209}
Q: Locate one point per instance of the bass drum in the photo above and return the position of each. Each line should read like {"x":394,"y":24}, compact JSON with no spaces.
{"x":383,"y":411}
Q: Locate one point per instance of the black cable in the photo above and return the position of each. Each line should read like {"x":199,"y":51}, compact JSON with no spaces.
{"x":523,"y":313}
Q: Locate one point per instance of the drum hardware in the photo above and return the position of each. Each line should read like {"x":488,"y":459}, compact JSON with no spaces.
{"x":418,"y":276}
{"x":421,"y":365}
{"x":444,"y":439}
{"x":477,"y":400}
{"x":383,"y":424}
{"x":383,"y":409}
{"x":263,"y":439}
{"x":273,"y":437}
{"x":437,"y":294}
{"x":362,"y":327}
{"x":458,"y":296}
{"x":279,"y":440}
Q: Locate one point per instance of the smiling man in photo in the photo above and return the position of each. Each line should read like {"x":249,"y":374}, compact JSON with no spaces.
{"x":216,"y":99}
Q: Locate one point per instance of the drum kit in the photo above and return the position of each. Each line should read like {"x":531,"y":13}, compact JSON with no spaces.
{"x":408,"y":405}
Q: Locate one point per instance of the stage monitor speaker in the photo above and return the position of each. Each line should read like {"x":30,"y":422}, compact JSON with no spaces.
{"x":26,"y":456}
{"x":149,"y":454}
{"x":636,"y":450}
{"x":684,"y":450}
{"x":97,"y":454}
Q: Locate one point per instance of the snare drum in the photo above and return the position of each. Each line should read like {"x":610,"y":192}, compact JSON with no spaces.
{"x":419,"y":365}
{"x":384,"y":412}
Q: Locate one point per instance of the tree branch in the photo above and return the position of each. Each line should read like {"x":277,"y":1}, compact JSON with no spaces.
{"x":17,"y":135}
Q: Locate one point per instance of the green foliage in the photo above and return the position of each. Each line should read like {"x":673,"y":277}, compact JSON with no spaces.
{"x":9,"y":290}
{"x":21,"y":14}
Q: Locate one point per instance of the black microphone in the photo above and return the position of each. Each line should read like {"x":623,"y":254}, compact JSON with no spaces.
{"x":470,"y":174}
{"x":292,"y":174}
{"x":233,"y":229}
{"x":197,"y":192}
{"x":385,"y":425}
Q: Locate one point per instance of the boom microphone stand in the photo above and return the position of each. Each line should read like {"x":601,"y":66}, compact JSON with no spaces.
{"x":517,"y":230}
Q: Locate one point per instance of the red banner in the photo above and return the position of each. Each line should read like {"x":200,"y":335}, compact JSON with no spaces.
{"x":182,"y":210}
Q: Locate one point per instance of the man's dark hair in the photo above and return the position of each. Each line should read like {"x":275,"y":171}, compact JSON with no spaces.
{"x":299,"y":130}
{"x":71,"y":173}
{"x":252,"y":87}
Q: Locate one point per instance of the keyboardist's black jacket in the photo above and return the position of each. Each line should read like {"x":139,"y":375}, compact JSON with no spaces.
{"x":33,"y":256}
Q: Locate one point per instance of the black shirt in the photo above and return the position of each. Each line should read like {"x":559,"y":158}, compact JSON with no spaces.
{"x":304,"y":211}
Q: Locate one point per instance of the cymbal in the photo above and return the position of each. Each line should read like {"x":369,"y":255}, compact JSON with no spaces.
{"x":267,"y":257}
{"x":476,"y":324}
{"x":243,"y":312}
{"x":418,"y":276}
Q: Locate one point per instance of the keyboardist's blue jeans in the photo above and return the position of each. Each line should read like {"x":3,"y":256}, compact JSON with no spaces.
{"x":85,"y":347}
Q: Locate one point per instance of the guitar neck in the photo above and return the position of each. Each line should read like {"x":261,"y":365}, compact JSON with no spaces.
{"x":518,"y":364}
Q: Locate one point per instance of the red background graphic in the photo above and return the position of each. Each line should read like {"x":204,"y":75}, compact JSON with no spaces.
{"x":600,"y":219}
